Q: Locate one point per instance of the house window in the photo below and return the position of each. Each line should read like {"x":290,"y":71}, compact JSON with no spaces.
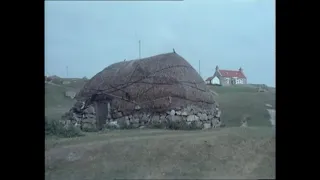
{"x":227,"y":80}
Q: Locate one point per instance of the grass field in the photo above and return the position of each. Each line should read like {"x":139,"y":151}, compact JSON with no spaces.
{"x":160,"y":154}
{"x":244,"y":100}
{"x":224,"y":153}
{"x":56,"y":103}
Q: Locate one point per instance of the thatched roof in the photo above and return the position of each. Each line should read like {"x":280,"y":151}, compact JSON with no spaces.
{"x":158,"y":83}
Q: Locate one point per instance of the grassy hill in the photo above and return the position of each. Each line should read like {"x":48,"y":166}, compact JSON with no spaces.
{"x":244,"y":100}
{"x":56,"y":103}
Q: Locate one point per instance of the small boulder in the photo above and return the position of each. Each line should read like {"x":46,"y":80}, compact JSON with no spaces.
{"x":90,"y":110}
{"x":206,"y":125}
{"x":117,"y":114}
{"x":202,"y":116}
{"x":113,"y":124}
{"x":137,"y":107}
{"x":155,"y":119}
{"x":145,"y":118}
{"x":196,"y":125}
{"x":172,"y":112}
{"x":123,"y":122}
{"x":174,"y":118}
{"x":134,"y":121}
{"x":70,"y":94}
{"x":162,"y":118}
{"x":191,"y":118}
{"x":218,"y":114}
{"x":184,"y":113}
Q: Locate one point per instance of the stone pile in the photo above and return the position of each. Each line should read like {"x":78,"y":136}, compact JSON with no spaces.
{"x":190,"y":117}
{"x":85,"y":120}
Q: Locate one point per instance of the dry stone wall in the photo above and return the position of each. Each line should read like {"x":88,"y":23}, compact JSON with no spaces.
{"x":190,"y":117}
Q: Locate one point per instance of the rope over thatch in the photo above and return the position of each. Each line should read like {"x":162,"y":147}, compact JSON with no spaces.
{"x":156,"y":83}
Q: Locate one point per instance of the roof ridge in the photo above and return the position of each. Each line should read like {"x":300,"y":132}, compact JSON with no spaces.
{"x":228,"y":70}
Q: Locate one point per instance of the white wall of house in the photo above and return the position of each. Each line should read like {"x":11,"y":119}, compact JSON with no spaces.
{"x":215,"y":80}
{"x":240,"y":81}
{"x":228,"y":80}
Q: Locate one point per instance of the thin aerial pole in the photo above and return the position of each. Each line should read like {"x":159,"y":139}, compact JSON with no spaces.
{"x":199,"y":68}
{"x":139,"y":49}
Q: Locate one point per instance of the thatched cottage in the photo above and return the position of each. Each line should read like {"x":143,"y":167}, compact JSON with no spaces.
{"x":155,"y":89}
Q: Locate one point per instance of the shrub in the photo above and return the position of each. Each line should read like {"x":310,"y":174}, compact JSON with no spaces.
{"x":126,"y":126}
{"x":87,"y":127}
{"x":56,"y":128}
{"x":174,"y":125}
{"x":158,"y":125}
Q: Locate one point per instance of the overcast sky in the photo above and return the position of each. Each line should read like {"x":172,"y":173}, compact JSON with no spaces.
{"x":88,"y":36}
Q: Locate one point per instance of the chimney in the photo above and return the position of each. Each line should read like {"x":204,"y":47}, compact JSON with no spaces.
{"x":240,"y":69}
{"x":217,"y":68}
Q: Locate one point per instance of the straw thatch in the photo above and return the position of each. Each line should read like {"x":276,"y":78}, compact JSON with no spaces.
{"x":156,"y":83}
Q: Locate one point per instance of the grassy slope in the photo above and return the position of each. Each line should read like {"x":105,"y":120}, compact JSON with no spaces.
{"x":238,"y":101}
{"x":55,"y":102}
{"x":219,"y":153}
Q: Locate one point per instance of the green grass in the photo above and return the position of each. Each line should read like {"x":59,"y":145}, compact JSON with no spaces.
{"x":54,"y":96}
{"x":233,"y":89}
{"x":75,"y":83}
{"x":54,"y":128}
{"x":243,"y":100}
{"x":56,"y":104}
{"x":159,"y":154}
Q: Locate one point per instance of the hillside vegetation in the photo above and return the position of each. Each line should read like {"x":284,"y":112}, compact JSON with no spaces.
{"x":239,"y":101}
{"x":56,"y":103}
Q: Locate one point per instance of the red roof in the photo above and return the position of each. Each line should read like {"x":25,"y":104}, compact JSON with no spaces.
{"x":230,"y":73}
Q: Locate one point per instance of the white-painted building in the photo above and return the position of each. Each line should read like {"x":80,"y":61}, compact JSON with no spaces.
{"x":227,"y":77}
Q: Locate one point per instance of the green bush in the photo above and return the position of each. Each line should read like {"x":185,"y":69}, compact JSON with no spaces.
{"x":89,"y":129}
{"x":158,"y":125}
{"x":126,"y":126}
{"x":55,"y":128}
